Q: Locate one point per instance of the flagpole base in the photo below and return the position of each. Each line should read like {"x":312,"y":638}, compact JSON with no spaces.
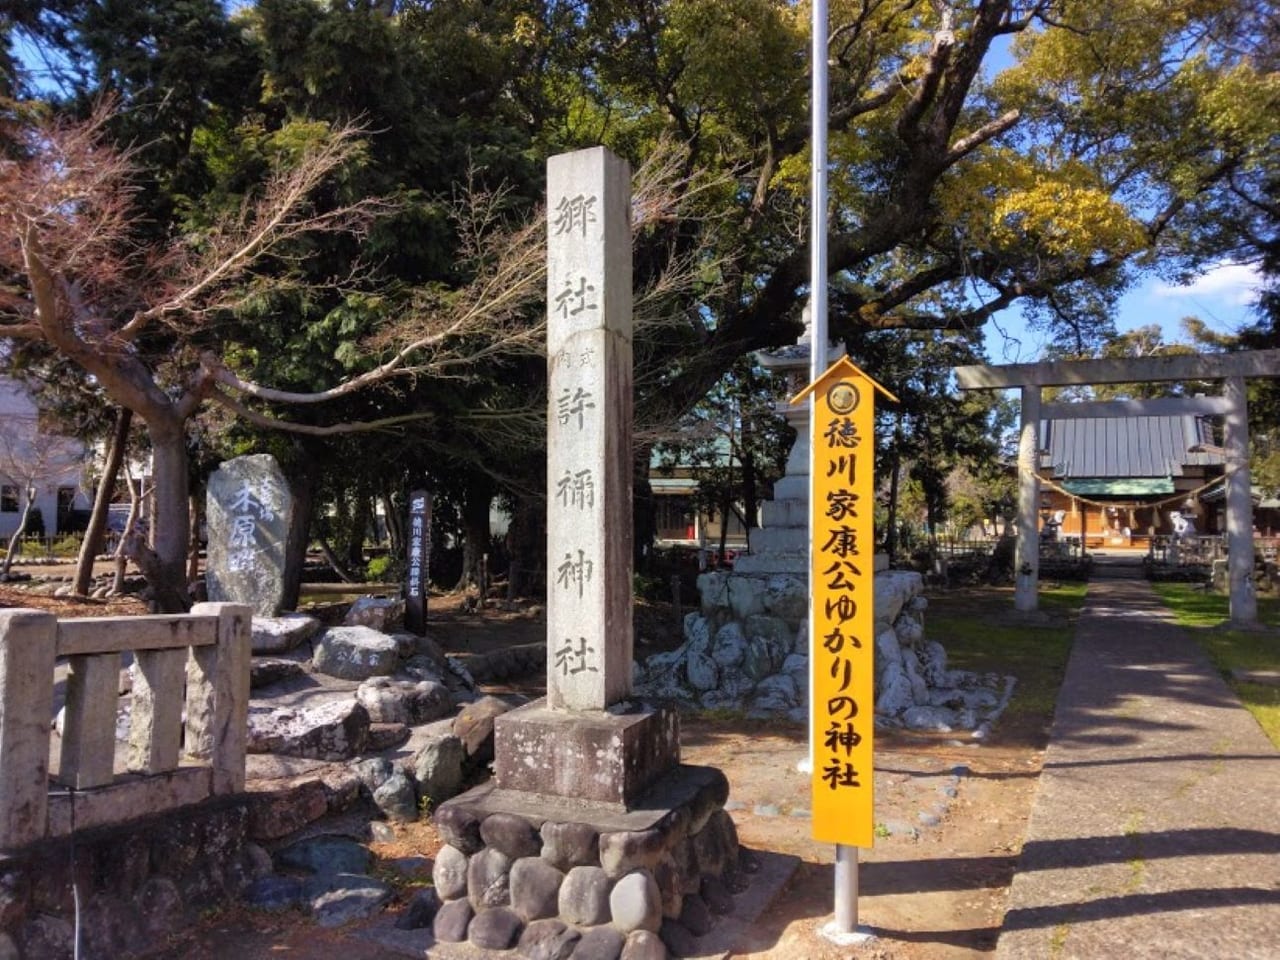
{"x":856,"y":937}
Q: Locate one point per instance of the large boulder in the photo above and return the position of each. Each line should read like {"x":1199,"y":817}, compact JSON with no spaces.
{"x":283,"y":633}
{"x":265,"y":671}
{"x":337,"y":730}
{"x":729,"y":646}
{"x":787,"y":597}
{"x":438,"y":769}
{"x":385,"y":614}
{"x":893,"y":590}
{"x":346,"y":897}
{"x":355,"y":653}
{"x":248,"y":509}
{"x":327,"y":854}
{"x":404,"y":701}
{"x":474,"y":727}
{"x":397,"y":797}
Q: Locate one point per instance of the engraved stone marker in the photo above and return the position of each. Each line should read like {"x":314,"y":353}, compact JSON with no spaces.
{"x":589,"y":635}
{"x":249,"y":507}
{"x":587,"y":740}
{"x":418,"y":562}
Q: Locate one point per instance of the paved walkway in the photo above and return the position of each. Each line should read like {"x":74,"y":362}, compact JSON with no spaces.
{"x":1154,"y":830}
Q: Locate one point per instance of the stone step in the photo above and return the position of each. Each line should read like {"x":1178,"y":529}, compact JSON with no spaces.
{"x":772,"y":563}
{"x":784,"y":513}
{"x":784,"y":540}
{"x":792,"y":487}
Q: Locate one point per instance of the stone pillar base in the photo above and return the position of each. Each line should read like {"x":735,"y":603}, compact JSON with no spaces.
{"x":518,"y":868}
{"x":600,"y":756}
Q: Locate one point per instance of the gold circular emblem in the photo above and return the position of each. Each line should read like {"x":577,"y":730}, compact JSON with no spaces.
{"x":843,"y":397}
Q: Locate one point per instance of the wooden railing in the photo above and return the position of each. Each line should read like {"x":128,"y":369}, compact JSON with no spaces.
{"x":197,"y":663}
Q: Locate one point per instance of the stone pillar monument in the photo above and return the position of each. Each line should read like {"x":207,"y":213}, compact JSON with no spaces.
{"x":590,"y":828}
{"x":589,"y":636}
{"x":578,"y":742}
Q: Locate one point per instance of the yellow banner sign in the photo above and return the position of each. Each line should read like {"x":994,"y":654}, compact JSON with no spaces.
{"x":842,"y":615}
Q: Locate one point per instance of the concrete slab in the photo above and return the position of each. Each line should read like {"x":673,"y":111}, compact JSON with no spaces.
{"x":1154,"y":830}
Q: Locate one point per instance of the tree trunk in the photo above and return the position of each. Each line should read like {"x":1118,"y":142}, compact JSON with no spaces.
{"x":526,"y":548}
{"x":353,"y":549}
{"x":750,"y":496}
{"x":194,"y":514}
{"x":394,"y":512}
{"x":644,"y":513}
{"x":338,"y":566}
{"x":895,"y":464}
{"x":302,"y":485}
{"x":16,"y":539}
{"x":164,"y":564}
{"x":121,"y":554}
{"x":97,"y":528}
{"x":726,"y":511}
{"x":475,"y":531}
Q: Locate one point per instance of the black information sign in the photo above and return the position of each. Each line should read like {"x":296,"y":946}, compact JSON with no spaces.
{"x":418,"y":545}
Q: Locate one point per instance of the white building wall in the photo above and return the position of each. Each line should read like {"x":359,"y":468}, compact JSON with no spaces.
{"x":21,"y":440}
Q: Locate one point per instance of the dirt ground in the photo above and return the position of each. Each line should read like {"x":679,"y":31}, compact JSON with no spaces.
{"x":951,"y":815}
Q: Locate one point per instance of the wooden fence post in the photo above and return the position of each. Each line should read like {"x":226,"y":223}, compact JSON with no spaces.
{"x":218,"y":696}
{"x":27,"y":641}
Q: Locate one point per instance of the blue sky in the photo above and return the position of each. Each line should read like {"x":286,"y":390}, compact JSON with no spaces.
{"x":1223,"y":297}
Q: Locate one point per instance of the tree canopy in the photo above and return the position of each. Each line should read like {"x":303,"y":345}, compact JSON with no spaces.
{"x":1032,"y":154}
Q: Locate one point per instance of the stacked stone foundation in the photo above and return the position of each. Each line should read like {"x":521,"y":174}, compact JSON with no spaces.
{"x":553,"y":876}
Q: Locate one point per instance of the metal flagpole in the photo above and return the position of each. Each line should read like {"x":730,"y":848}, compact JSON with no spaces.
{"x":845,"y":927}
{"x":846,"y":873}
{"x":817,"y":277}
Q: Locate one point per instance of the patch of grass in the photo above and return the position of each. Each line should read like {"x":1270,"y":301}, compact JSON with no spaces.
{"x":1058,"y":941}
{"x":1204,"y":614}
{"x":1035,"y":653}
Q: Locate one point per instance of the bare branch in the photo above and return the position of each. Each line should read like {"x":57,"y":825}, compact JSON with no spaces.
{"x":988,"y":131}
{"x":277,"y":423}
{"x":281,"y":214}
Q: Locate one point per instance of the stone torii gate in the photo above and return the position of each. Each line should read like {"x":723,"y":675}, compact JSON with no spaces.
{"x":1231,"y":368}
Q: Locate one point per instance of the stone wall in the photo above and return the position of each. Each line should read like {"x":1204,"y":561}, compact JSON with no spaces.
{"x":143,"y":881}
{"x":584,"y":880}
{"x":137,"y":884}
{"x":747,"y":650}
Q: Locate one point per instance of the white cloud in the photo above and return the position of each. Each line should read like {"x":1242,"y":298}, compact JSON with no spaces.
{"x":1233,"y":283}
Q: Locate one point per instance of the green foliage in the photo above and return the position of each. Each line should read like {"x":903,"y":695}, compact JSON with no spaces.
{"x":1264,"y":469}
{"x":66,"y":546}
{"x":1121,"y":137}
{"x":649,"y":588}
{"x":381,"y":569}
{"x":934,"y":435}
